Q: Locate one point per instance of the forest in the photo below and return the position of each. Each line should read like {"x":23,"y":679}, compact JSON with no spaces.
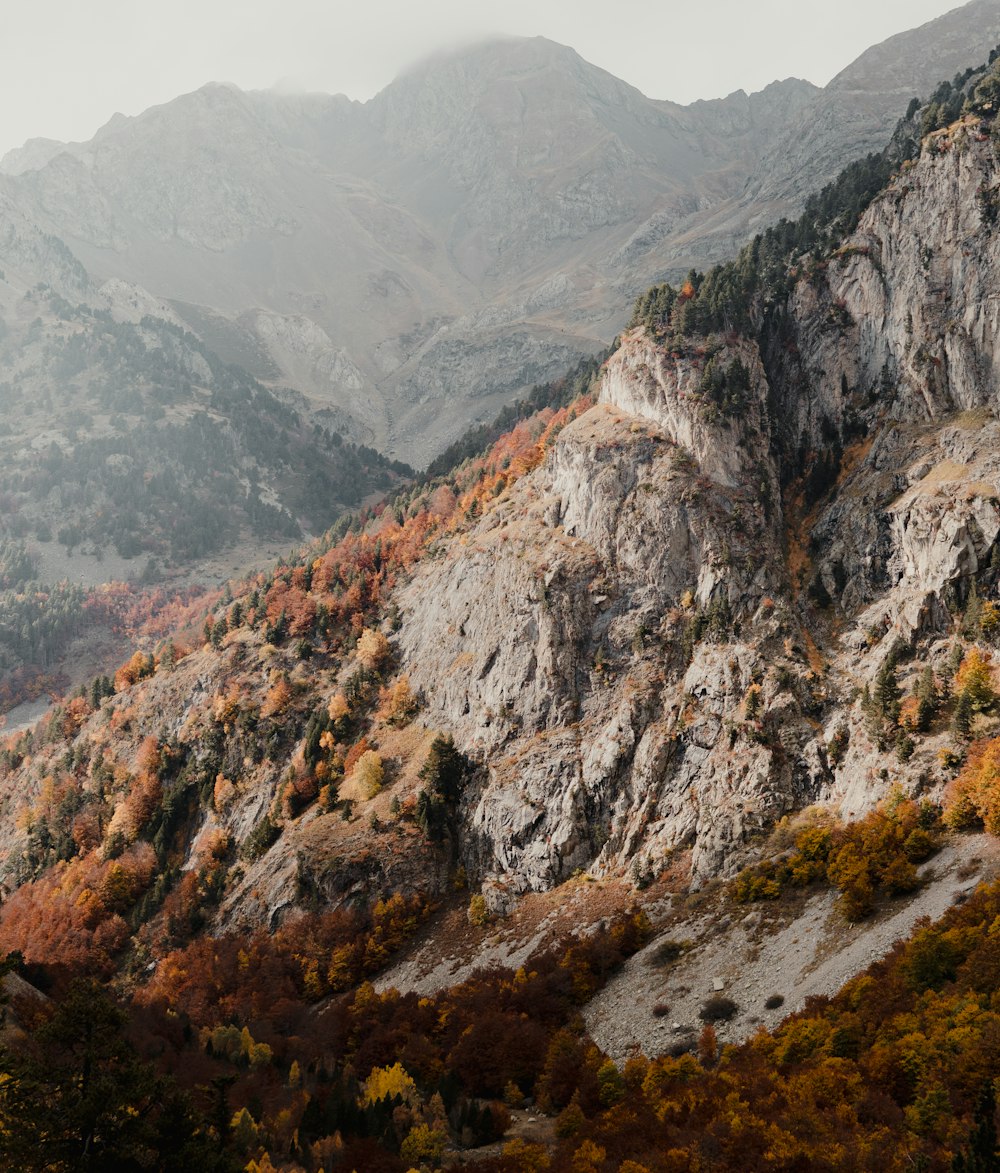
{"x":157,"y":449}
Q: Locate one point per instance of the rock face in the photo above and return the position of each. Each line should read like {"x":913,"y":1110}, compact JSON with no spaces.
{"x":652,"y":639}
{"x":413,"y":262}
{"x":625,"y":639}
{"x":549,"y":640}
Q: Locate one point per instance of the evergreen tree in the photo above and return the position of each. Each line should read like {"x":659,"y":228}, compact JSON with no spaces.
{"x":886,"y":694}
{"x":927,"y":699}
{"x":75,"y":1098}
{"x":962,"y":721}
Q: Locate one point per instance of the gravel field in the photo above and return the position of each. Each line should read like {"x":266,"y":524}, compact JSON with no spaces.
{"x":768,"y":950}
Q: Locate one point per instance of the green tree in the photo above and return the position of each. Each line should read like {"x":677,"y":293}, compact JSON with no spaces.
{"x":75,"y":1097}
{"x":928,"y":700}
{"x":962,"y":721}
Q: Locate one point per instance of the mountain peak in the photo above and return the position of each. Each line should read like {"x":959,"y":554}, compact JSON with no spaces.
{"x":918,"y":58}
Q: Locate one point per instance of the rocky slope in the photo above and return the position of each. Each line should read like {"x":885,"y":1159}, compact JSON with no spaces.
{"x":648,"y":621}
{"x":550,"y":637}
{"x":412,"y":262}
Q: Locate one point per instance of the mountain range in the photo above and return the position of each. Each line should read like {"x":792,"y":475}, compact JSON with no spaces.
{"x":411,"y":263}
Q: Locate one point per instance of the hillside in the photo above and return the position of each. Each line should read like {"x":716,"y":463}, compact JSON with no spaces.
{"x":131,"y":453}
{"x":411,"y":263}
{"x":814,"y":611}
{"x":684,"y":680}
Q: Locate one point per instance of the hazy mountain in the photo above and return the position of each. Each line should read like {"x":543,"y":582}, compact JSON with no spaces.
{"x":443,"y":242}
{"x":410,"y":262}
{"x":122,"y":434}
{"x":850,"y":117}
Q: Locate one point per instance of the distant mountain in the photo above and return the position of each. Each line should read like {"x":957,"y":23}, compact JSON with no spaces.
{"x":408,"y":264}
{"x":124,"y":435}
{"x":852,"y":116}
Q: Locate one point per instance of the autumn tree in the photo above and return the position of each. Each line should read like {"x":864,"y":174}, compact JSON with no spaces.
{"x":369,"y":773}
{"x":974,"y":678}
{"x":374,"y":650}
{"x":398,"y":703}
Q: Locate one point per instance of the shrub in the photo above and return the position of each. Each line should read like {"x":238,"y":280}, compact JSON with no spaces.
{"x":773,"y":1001}
{"x":718,"y":1009}
{"x":750,"y":886}
{"x":667,"y":952}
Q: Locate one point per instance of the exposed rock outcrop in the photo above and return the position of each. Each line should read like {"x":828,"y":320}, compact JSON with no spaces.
{"x":625,"y":638}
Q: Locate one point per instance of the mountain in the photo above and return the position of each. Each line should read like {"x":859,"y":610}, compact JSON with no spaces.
{"x":350,"y":250}
{"x":679,"y":691}
{"x":109,"y":382}
{"x":853,"y":115}
{"x":413,"y":262}
{"x":647,"y":611}
{"x":130,"y":451}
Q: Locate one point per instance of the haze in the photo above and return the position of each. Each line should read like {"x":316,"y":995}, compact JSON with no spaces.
{"x":67,"y":67}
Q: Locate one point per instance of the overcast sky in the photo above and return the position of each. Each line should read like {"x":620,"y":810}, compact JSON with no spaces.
{"x":67,"y":65}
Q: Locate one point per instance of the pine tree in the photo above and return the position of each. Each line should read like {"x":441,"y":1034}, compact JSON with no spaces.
{"x":927,"y":700}
{"x":962,"y":721}
{"x":886,"y":694}
{"x":973,"y":614}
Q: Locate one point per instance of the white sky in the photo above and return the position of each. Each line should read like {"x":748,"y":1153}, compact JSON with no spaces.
{"x":67,"y":65}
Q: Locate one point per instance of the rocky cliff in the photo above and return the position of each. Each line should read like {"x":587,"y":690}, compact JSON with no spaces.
{"x":625,"y":637}
{"x":654,"y":622}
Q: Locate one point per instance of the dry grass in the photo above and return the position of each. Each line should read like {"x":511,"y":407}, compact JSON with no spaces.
{"x":972,"y":420}
{"x":942,"y":473}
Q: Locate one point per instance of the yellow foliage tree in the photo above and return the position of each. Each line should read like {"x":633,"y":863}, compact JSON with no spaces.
{"x":373,"y":649}
{"x":531,"y":1158}
{"x":589,"y":1157}
{"x":369,"y":773}
{"x":398,"y":703}
{"x":975,"y":793}
{"x":384,"y":1083}
{"x":478,"y":913}
{"x":424,"y":1146}
{"x":244,"y":1130}
{"x":277,"y":699}
{"x":223,"y":793}
{"x":339,"y":974}
{"x":975,"y":678}
{"x":262,"y":1166}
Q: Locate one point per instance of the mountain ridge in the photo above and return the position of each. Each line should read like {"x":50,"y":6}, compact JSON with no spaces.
{"x":486,"y":215}
{"x":620,"y":698}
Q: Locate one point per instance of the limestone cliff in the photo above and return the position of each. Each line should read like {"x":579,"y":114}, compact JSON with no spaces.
{"x":625,"y":638}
